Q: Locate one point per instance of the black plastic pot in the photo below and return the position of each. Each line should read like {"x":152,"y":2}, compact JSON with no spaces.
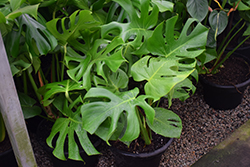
{"x":43,"y":131}
{"x":224,"y":97}
{"x":127,"y":159}
{"x":7,"y":158}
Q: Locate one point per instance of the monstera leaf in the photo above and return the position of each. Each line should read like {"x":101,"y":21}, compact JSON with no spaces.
{"x":68,"y":127}
{"x":102,"y":53}
{"x":36,"y":32}
{"x":65,"y":86}
{"x":176,"y":59}
{"x":139,"y":25}
{"x":67,"y":29}
{"x":166,"y":123}
{"x":95,"y":113}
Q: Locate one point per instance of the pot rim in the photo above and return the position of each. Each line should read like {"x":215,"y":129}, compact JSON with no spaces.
{"x":245,"y":83}
{"x":145,"y":155}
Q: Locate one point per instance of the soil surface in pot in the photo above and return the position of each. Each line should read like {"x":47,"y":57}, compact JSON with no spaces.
{"x":235,"y":70}
{"x":5,"y":145}
{"x":139,"y":146}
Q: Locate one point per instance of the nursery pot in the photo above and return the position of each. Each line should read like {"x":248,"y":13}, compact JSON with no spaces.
{"x":151,"y":159}
{"x":7,"y":158}
{"x":224,"y":97}
{"x":43,"y":131}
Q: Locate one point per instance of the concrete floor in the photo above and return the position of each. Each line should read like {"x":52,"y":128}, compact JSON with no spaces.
{"x":232,"y":152}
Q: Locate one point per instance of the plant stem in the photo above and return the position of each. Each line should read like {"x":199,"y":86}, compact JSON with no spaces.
{"x":144,"y":132}
{"x":34,"y":86}
{"x":64,"y":55}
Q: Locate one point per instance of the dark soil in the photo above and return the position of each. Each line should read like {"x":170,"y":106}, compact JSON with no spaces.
{"x":5,"y":145}
{"x":235,"y":70}
{"x":139,"y":146}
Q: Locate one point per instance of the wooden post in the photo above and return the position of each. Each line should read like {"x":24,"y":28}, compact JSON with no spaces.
{"x":12,"y":114}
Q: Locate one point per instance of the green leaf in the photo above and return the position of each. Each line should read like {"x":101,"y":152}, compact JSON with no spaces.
{"x":171,"y":67}
{"x":218,"y":21}
{"x":36,"y":32}
{"x":164,"y":5}
{"x":247,"y":32}
{"x":140,"y":23}
{"x":31,"y":10}
{"x":115,"y":80}
{"x":65,"y":86}
{"x":68,"y":127}
{"x":2,"y":18}
{"x":28,"y":106}
{"x":15,"y":4}
{"x":102,"y":53}
{"x":166,"y":123}
{"x":68,"y":28}
{"x":95,"y":113}
{"x":2,"y":129}
{"x":197,"y":8}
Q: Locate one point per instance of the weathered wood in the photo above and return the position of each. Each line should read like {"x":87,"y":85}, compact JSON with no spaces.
{"x":12,"y":114}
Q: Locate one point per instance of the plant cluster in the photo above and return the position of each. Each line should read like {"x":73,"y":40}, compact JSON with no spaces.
{"x":101,"y":67}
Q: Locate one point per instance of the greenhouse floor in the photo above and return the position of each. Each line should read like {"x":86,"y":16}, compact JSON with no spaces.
{"x":233,"y":151}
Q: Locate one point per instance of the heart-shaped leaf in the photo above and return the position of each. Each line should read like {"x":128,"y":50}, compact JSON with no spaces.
{"x":218,"y":21}
{"x":197,"y":8}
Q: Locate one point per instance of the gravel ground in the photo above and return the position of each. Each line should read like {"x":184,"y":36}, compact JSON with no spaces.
{"x":203,"y":128}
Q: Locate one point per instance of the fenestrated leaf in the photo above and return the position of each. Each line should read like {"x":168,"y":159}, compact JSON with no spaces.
{"x":95,"y":113}
{"x":115,"y":80}
{"x":102,"y":53}
{"x":197,"y":8}
{"x":166,"y":123}
{"x":68,"y":127}
{"x":218,"y":21}
{"x":36,"y":32}
{"x":68,"y":29}
{"x":65,"y":86}
{"x":171,"y":67}
{"x":140,"y":23}
{"x":31,"y":10}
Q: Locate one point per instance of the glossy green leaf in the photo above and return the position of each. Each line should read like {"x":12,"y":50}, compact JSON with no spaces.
{"x":197,"y":8}
{"x":68,"y":28}
{"x":164,"y":5}
{"x":138,"y":28}
{"x":36,"y":32}
{"x":170,"y":68}
{"x":218,"y":21}
{"x":102,"y":53}
{"x":166,"y":123}
{"x":31,"y":10}
{"x":2,"y":129}
{"x":95,"y":113}
{"x":15,"y":4}
{"x":68,"y":127}
{"x":115,"y":80}
{"x":59,"y":87}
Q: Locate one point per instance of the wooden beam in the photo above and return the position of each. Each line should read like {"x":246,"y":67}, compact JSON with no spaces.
{"x":12,"y":114}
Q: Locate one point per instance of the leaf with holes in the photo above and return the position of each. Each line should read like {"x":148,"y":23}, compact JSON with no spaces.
{"x":69,"y":127}
{"x":166,"y":123}
{"x":176,"y":58}
{"x":95,"y":113}
{"x":140,"y":23}
{"x":102,"y":53}
{"x":65,"y":86}
{"x":68,"y":29}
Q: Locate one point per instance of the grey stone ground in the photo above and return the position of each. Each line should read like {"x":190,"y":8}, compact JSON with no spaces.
{"x":203,"y":128}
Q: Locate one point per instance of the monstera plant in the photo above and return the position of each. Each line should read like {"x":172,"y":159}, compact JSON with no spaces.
{"x":112,"y":70}
{"x":101,"y":67}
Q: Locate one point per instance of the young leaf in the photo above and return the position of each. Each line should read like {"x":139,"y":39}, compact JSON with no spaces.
{"x":164,"y":5}
{"x":197,"y":8}
{"x":95,"y":113}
